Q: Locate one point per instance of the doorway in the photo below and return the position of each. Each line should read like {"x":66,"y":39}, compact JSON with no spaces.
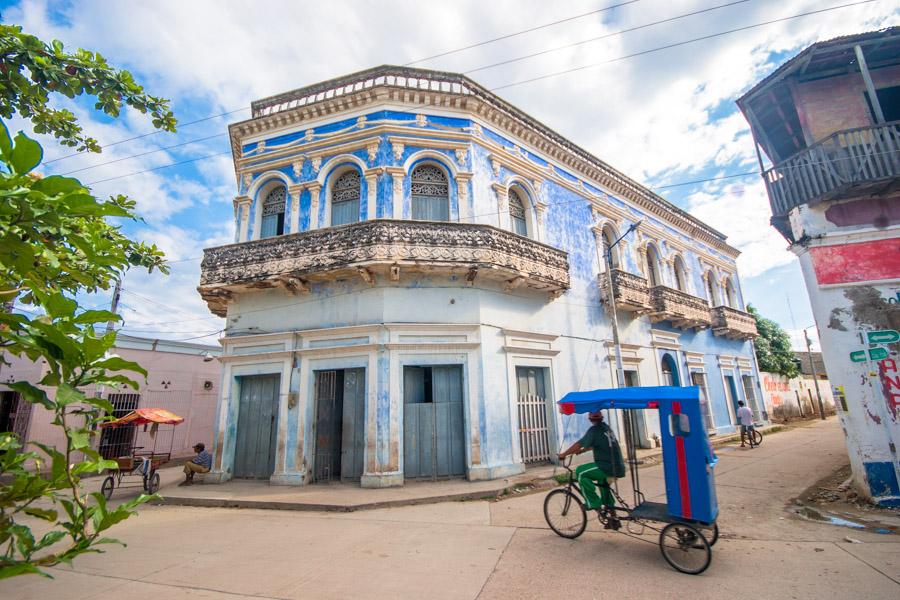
{"x":118,"y":441}
{"x":433,"y":431}
{"x":15,"y":415}
{"x":340,"y":425}
{"x":535,"y":439}
{"x":638,"y":417}
{"x":254,"y":456}
{"x":731,"y":396}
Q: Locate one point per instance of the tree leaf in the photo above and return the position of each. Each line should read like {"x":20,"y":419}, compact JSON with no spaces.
{"x":41,"y":513}
{"x":26,"y":154}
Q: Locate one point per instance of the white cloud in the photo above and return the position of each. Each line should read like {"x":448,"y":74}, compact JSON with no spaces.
{"x":662,"y":117}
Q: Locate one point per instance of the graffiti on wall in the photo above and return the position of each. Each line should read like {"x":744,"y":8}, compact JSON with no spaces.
{"x":890,"y":385}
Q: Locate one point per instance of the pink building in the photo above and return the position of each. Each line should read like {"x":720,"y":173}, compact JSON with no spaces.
{"x":182,"y":377}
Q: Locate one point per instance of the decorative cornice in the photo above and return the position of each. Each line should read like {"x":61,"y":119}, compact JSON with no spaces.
{"x":442,"y":90}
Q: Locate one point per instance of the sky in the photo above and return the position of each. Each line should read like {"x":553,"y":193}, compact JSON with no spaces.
{"x":663,"y":118}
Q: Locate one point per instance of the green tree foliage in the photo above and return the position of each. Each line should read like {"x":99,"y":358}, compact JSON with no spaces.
{"x":773,"y":347}
{"x":57,"y":240}
{"x":31,"y":69}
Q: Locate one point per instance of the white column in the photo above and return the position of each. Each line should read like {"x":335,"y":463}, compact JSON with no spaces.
{"x":243,"y":212}
{"x":295,"y":193}
{"x":462,"y":195}
{"x":314,"y":192}
{"x":397,"y":174}
{"x":372,"y":195}
{"x":502,"y":205}
{"x":540,"y":210}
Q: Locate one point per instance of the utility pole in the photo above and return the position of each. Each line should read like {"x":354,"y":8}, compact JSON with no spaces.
{"x":620,"y":369}
{"x":114,"y":304}
{"x":812,"y":367}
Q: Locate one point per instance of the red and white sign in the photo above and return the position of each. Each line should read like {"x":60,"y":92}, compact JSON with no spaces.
{"x":877,"y":260}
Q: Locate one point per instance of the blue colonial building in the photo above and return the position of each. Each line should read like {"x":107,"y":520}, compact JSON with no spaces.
{"x":416,"y":278}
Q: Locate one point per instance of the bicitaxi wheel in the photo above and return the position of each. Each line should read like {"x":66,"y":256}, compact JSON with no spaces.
{"x":107,"y":487}
{"x":685,"y":548}
{"x":565,"y":513}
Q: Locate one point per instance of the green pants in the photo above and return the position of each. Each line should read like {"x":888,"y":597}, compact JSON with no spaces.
{"x":586,"y":475}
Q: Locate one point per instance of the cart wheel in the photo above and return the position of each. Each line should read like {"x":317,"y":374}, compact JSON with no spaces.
{"x":565,"y":514}
{"x":107,"y":488}
{"x":757,"y":437}
{"x":151,"y":484}
{"x":711,"y":534}
{"x":685,"y":548}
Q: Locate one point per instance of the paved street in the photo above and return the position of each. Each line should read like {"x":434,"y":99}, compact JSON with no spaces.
{"x":494,"y":549}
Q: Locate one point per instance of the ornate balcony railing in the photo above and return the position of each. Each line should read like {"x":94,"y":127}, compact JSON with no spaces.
{"x":381,"y":247}
{"x":851,"y":159}
{"x":631,"y":291}
{"x":683,"y":310}
{"x":733,"y":324}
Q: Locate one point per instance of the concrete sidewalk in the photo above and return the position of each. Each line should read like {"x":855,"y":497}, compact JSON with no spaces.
{"x":348,"y":497}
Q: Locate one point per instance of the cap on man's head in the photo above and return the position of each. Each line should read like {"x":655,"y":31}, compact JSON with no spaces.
{"x":199,"y":446}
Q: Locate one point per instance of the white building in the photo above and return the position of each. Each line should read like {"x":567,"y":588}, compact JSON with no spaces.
{"x":415,"y":281}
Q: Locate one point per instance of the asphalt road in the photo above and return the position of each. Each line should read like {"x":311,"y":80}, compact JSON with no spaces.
{"x":494,"y":549}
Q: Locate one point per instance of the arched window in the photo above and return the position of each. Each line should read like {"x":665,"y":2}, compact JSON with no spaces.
{"x":653,"y":278}
{"x":430,"y":194}
{"x":345,"y":198}
{"x":669,"y":373}
{"x":712,"y":290}
{"x":273,"y":212}
{"x":517,"y":213}
{"x":730,"y":294}
{"x":608,"y":236}
{"x":680,"y":274}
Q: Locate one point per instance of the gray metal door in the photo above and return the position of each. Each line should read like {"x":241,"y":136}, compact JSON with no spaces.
{"x":329,"y":411}
{"x":254,"y":456}
{"x":534,"y":425}
{"x":353,"y":434}
{"x":433,"y":431}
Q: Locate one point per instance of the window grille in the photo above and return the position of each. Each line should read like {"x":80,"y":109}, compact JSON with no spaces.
{"x":517,"y":213}
{"x":273,"y":212}
{"x":345,"y":195}
{"x":430,"y":193}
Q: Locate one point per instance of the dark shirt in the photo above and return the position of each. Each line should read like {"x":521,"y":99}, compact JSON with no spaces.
{"x":204,"y":459}
{"x":607,"y":454}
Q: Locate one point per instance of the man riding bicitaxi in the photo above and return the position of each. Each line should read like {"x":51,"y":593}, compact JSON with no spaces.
{"x":607,"y":466}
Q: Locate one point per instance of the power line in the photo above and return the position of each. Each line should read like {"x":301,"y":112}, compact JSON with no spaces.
{"x":546,"y":76}
{"x":676,"y":44}
{"x":602,"y":37}
{"x":155,"y":132}
{"x":518,"y":33}
{"x":175,"y":164}
{"x":163,"y":149}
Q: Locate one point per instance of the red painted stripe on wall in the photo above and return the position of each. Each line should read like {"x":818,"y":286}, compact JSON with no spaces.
{"x":855,"y":263}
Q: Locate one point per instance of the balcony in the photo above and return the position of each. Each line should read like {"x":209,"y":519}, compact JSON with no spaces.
{"x":682,"y":310}
{"x":854,"y":161}
{"x":631,"y":291}
{"x":733,"y":324}
{"x":381,"y":248}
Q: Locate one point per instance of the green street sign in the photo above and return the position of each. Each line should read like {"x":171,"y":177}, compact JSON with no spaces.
{"x":874,"y":354}
{"x":887,"y":336}
{"x":878,"y":353}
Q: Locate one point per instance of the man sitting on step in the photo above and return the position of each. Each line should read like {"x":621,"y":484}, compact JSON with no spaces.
{"x":201,"y":463}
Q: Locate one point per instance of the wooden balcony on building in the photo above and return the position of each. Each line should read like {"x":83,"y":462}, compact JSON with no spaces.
{"x":381,"y":250}
{"x":848,"y":163}
{"x":631,"y":291}
{"x":733,"y":323}
{"x":682,"y":310}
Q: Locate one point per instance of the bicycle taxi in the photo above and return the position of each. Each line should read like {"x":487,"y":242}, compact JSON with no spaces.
{"x":135,"y":462}
{"x":686,"y":521}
